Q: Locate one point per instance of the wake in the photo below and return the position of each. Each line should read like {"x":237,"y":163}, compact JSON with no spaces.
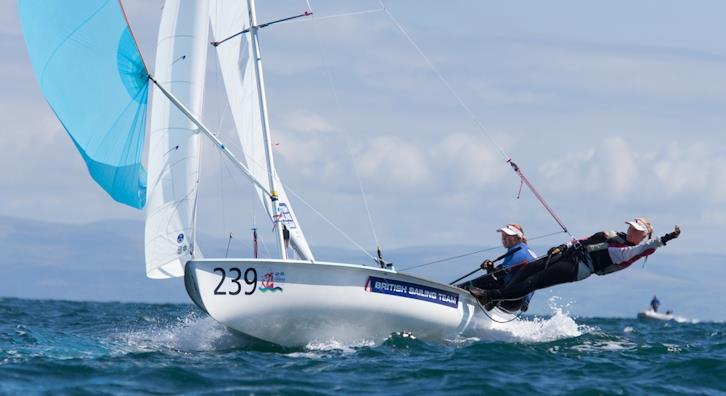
{"x":197,"y":332}
{"x":530,"y":330}
{"x":191,"y":333}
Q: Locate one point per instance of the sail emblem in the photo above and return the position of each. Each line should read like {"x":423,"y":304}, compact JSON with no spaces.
{"x":180,"y":238}
{"x":284,"y":216}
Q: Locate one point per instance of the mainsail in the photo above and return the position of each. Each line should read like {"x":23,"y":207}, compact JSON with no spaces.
{"x":228,"y":18}
{"x":174,"y":147}
{"x":92,"y":75}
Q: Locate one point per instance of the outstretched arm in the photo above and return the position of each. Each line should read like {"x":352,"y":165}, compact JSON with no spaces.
{"x":624,"y":256}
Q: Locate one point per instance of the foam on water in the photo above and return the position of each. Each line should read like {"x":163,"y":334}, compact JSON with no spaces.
{"x":314,"y":349}
{"x":606,"y":346}
{"x":189,"y":334}
{"x":558,"y":326}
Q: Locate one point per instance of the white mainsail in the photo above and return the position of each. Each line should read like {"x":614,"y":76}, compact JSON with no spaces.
{"x":174,"y":147}
{"x":229,"y":17}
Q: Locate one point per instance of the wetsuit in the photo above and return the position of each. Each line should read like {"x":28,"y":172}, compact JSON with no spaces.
{"x":601,"y":253}
{"x":506,"y":274}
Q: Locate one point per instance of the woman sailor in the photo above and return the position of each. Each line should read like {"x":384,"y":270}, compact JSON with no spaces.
{"x":602,"y":253}
{"x":518,"y":256}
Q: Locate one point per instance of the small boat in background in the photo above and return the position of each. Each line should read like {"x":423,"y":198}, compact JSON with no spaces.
{"x":651,"y":314}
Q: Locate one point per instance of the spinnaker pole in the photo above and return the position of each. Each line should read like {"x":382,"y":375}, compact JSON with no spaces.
{"x":211,"y":136}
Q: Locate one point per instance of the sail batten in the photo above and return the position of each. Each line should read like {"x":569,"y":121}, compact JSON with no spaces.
{"x":93,"y":77}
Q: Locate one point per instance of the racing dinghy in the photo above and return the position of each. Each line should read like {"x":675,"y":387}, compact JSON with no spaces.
{"x":291,"y":300}
{"x":293,"y":303}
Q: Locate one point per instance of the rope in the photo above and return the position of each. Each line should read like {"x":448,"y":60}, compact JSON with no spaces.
{"x":494,"y":320}
{"x":539,"y":197}
{"x":474,"y":252}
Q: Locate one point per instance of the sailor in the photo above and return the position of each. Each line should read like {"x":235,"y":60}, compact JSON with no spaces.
{"x":519,"y":255}
{"x":654,"y":304}
{"x":602,"y":253}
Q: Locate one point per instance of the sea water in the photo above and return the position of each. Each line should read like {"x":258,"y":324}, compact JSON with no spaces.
{"x":71,"y":347}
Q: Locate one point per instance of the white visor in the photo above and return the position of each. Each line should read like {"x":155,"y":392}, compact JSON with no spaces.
{"x":637,"y":225}
{"x":511,"y":230}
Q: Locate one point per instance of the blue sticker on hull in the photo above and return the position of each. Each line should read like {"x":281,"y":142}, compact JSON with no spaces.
{"x":412,"y":290}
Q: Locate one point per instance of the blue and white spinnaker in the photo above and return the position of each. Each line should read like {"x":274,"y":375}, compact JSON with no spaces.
{"x":92,"y":75}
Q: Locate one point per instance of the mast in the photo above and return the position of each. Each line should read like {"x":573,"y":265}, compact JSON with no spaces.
{"x":265,"y":127}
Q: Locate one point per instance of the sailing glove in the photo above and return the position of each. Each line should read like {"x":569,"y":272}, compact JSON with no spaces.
{"x":671,"y":235}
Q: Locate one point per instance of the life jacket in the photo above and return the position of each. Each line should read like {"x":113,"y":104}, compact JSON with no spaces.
{"x":598,"y":246}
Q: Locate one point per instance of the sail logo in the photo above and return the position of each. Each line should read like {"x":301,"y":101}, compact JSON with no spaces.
{"x":267,"y":284}
{"x":284,"y":216}
{"x":411,"y":290}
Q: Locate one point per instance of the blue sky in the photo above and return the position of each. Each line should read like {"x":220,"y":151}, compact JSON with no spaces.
{"x":613,"y":110}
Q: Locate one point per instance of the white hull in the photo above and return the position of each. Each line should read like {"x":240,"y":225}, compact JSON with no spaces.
{"x":652,"y":315}
{"x":294,"y":303}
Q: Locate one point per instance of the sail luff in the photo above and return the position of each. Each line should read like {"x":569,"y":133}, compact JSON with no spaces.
{"x":237,"y":69}
{"x":174,"y":145}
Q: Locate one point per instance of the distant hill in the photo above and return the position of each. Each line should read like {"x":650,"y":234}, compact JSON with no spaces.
{"x":104,"y":261}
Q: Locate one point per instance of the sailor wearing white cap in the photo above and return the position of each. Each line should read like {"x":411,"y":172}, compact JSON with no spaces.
{"x":601,"y":253}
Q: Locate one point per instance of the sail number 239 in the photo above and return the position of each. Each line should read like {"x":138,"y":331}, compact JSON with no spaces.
{"x":236,"y":276}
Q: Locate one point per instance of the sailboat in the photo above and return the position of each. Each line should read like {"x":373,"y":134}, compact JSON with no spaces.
{"x":95,"y":79}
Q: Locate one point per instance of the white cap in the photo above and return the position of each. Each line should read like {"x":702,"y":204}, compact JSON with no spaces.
{"x":512,"y":229}
{"x":640,"y":224}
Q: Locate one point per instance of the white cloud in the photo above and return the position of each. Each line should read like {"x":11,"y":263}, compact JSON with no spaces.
{"x":619,"y":166}
{"x":393,"y":160}
{"x":685,"y":168}
{"x":308,"y":154}
{"x":306,"y":122}
{"x":617,"y":169}
{"x":468,"y":160}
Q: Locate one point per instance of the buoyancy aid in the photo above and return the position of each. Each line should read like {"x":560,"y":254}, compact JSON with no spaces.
{"x":610,"y":251}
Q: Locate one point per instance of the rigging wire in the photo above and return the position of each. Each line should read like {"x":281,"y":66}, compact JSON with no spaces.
{"x":476,"y":119}
{"x":352,"y":13}
{"x":441,"y":77}
{"x":474,"y":252}
{"x":344,"y":131}
{"x":330,"y":222}
{"x":317,"y":212}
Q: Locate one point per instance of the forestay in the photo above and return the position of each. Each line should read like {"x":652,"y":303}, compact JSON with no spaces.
{"x":229,"y":17}
{"x":174,"y":146}
{"x":92,"y":75}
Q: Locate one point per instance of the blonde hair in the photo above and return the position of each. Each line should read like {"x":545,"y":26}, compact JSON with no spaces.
{"x":519,"y":227}
{"x":646,"y":223}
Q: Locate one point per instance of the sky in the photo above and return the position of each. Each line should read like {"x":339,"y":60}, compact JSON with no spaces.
{"x":612,"y":110}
